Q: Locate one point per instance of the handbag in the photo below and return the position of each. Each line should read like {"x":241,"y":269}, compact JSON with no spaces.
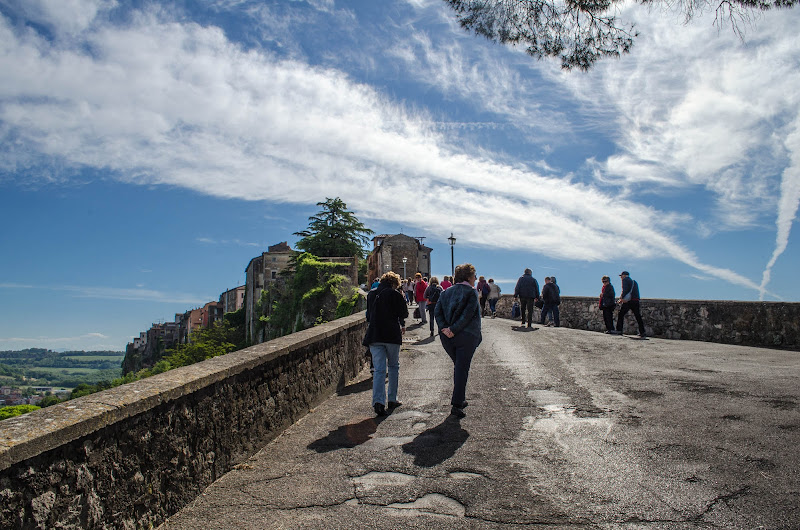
{"x":538,"y":303}
{"x":416,"y":313}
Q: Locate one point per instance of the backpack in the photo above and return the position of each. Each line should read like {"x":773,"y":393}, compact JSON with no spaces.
{"x":515,"y":313}
{"x":434,"y":296}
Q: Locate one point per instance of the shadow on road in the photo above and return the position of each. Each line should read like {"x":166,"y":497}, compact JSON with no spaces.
{"x":426,"y":340}
{"x":524,"y":328}
{"x":437,"y":444}
{"x":347,"y":436}
{"x":355,"y":388}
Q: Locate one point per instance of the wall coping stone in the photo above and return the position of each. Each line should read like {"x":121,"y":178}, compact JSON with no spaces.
{"x":32,"y":434}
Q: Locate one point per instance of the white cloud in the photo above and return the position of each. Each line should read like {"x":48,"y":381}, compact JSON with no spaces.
{"x":114,"y":293}
{"x":160,"y":102}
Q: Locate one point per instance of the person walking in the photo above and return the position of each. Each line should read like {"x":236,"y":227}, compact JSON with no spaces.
{"x":432,"y":294}
{"x":629,"y":298}
{"x":458,"y":315}
{"x":407,"y":290}
{"x":494,"y":296}
{"x":527,"y":290}
{"x":386,"y":314}
{"x":551,"y":300}
{"x":419,"y":294}
{"x":447,"y":282}
{"x":608,"y":303}
{"x":483,"y":293}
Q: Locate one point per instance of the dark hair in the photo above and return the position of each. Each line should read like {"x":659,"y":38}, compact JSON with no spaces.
{"x":464,"y":272}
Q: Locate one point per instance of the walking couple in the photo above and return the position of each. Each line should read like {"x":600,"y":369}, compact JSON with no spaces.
{"x":458,"y":316}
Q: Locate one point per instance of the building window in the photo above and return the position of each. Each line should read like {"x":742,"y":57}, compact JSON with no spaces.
{"x":274,"y":275}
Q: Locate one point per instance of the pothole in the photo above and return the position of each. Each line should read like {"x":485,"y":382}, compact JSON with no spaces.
{"x":383,"y":478}
{"x":464,"y":475}
{"x":386,"y":442}
{"x":432,"y":503}
{"x":410,"y":415}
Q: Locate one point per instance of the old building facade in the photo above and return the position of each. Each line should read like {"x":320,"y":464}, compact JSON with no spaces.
{"x":233,"y":299}
{"x":388,"y":253}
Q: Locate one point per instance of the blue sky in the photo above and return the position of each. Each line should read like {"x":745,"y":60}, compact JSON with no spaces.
{"x":150,"y":150}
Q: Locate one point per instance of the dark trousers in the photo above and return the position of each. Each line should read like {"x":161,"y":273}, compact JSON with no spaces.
{"x":483,"y":304}
{"x":526,"y":304}
{"x":553,"y":311}
{"x":430,"y":309}
{"x":460,"y":349}
{"x":632,"y":306}
{"x":608,"y":317}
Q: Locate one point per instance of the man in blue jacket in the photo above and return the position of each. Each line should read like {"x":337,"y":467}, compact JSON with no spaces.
{"x":527,"y":290}
{"x":629,"y":298}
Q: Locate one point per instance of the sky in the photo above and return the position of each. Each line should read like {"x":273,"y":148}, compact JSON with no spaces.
{"x":149,"y":150}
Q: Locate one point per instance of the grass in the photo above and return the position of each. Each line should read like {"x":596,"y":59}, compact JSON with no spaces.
{"x":95,"y":358}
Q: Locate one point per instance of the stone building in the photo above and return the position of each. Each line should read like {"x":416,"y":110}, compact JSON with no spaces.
{"x":233,"y":299}
{"x":267,"y":268}
{"x":262,"y":270}
{"x":389,"y":251}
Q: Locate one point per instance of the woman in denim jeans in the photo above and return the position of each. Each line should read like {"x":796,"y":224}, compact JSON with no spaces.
{"x":458,"y":314}
{"x":386,"y":314}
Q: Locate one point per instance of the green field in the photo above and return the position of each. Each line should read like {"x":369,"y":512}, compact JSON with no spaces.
{"x":68,"y":371}
{"x":114,"y":358}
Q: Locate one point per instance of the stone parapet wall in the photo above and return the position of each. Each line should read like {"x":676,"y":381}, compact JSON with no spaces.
{"x":131,"y":456}
{"x":761,"y":324}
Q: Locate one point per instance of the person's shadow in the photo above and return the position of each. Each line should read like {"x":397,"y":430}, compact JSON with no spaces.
{"x":524,"y":329}
{"x":437,"y":444}
{"x":347,"y":436}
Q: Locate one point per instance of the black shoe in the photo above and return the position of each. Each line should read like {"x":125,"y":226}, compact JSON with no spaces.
{"x":457,"y":412}
{"x":393,"y":405}
{"x":463,"y":405}
{"x":380,"y":410}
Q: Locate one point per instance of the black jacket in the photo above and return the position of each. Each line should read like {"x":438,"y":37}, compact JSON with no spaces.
{"x":386,"y":314}
{"x":527,"y":287}
{"x":550,"y":294}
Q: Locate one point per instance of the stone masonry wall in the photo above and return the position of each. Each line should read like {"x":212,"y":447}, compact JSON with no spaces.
{"x":131,"y":456}
{"x":763,"y":324}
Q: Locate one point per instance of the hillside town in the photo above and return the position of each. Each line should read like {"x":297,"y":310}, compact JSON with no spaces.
{"x":399,"y":253}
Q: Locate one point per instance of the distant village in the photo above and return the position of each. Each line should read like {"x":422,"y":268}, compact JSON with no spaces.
{"x":400,"y":253}
{"x":11,"y":395}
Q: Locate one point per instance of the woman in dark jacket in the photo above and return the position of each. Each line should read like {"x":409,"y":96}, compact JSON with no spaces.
{"x":386,"y":314}
{"x":607,"y":304}
{"x":432,"y":294}
{"x":458,"y":314}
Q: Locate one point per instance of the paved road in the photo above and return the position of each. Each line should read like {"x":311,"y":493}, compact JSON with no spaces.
{"x":564,"y":429}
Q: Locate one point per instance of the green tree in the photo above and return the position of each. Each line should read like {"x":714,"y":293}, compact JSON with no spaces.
{"x":16,"y":410}
{"x":334,"y":231}
{"x":579,"y":32}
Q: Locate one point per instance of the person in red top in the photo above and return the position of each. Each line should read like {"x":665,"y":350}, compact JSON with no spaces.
{"x":419,"y":296}
{"x":446,"y":283}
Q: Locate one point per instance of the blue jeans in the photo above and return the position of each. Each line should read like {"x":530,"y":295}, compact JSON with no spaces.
{"x":553,"y":310}
{"x":381,"y":353}
{"x":493,"y":304}
{"x":460,"y":349}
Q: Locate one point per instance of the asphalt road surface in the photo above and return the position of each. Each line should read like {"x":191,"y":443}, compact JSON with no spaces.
{"x":564,"y":429}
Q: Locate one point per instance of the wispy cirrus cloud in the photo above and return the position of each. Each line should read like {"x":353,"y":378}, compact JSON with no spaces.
{"x":114,"y":293}
{"x":164,"y":102}
{"x":236,"y":242}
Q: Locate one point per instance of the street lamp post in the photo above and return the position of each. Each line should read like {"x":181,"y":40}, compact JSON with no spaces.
{"x":452,"y":242}
{"x":404,"y":268}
